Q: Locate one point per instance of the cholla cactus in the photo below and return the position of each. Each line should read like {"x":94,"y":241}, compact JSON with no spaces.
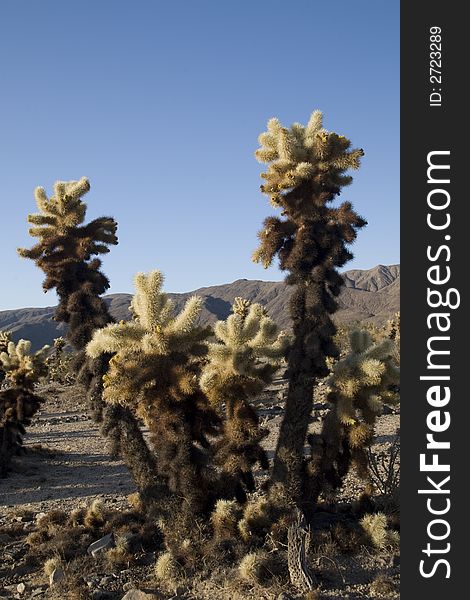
{"x":5,"y":338}
{"x":359,"y":385}
{"x":392,"y":331}
{"x":240,"y":364}
{"x":67,"y":252}
{"x":306,"y":171}
{"x":154,"y":372}
{"x":59,"y":363}
{"x":299,"y":154}
{"x":23,"y":368}
{"x":18,"y":403}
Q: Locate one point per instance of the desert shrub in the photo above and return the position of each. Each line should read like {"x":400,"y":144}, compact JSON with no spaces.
{"x":61,"y":537}
{"x":18,"y":402}
{"x":384,"y":469}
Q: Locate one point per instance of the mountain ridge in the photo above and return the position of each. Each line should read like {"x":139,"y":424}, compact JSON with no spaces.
{"x":370,"y":295}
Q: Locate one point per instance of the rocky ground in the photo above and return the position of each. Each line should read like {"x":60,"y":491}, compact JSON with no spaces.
{"x":67,"y":466}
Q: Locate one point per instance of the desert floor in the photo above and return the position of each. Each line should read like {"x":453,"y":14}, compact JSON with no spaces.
{"x":67,"y":466}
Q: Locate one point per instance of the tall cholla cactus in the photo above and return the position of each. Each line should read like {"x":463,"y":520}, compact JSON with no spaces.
{"x":65,"y":252}
{"x":359,"y":385}
{"x":18,"y":403}
{"x":306,"y":171}
{"x":154,"y":372}
{"x":240,"y":364}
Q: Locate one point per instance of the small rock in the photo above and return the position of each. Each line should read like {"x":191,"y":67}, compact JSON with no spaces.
{"x":101,"y":545}
{"x":56,"y":576}
{"x":20,"y":588}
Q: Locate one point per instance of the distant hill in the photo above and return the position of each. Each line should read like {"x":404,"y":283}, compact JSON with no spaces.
{"x":369,"y":295}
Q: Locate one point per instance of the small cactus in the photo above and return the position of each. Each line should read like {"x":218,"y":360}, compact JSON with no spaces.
{"x":359,"y":385}
{"x":18,"y":403}
{"x":240,"y":364}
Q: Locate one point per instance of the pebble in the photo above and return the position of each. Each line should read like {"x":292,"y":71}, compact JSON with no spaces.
{"x":101,"y":545}
{"x":20,"y":588}
{"x":56,"y":576}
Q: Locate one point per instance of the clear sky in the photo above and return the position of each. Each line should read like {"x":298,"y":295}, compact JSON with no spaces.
{"x":160,"y":103}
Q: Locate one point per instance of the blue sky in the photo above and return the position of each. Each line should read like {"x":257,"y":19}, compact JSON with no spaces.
{"x":160,"y":105}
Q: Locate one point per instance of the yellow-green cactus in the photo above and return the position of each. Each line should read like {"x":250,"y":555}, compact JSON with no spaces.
{"x":306,"y":169}
{"x":18,"y":403}
{"x":22,"y":367}
{"x":297,"y":153}
{"x":363,"y":380}
{"x":359,"y":385}
{"x":65,"y":251}
{"x":5,"y":339}
{"x":155,"y":372}
{"x":247,"y":352}
{"x":240,"y":364}
{"x":153,"y":334}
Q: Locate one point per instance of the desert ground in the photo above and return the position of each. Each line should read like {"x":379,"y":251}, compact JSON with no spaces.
{"x":67,"y":466}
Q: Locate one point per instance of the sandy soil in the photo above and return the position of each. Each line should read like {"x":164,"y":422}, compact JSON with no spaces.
{"x":67,"y":466}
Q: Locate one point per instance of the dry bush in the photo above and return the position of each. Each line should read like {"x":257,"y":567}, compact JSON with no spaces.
{"x":384,"y":470}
